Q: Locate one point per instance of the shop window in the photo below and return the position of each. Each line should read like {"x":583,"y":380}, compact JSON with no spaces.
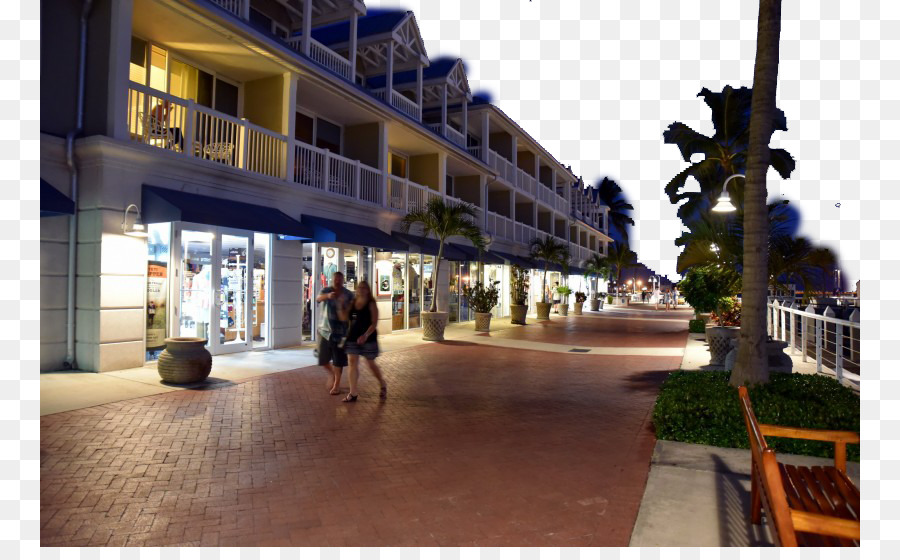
{"x":328,"y":136}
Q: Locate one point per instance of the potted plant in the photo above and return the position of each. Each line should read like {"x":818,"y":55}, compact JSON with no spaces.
{"x":580,"y":298}
{"x":550,"y":251}
{"x":442,"y":219}
{"x":609,"y":299}
{"x":564,"y":292}
{"x":594,"y":268}
{"x":708,"y":289}
{"x":482,"y":298}
{"x":518,"y":291}
{"x":620,"y":258}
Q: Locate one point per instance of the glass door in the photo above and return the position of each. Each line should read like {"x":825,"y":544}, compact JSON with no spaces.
{"x":195,"y":290}
{"x":234,"y":313}
{"x":414,"y":270}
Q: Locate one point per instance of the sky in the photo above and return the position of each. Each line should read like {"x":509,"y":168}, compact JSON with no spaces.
{"x":597,"y":83}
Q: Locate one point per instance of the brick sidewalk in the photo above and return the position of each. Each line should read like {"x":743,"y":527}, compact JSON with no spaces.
{"x":476,"y":445}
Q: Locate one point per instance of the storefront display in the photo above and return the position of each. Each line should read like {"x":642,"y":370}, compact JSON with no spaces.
{"x":157,"y":289}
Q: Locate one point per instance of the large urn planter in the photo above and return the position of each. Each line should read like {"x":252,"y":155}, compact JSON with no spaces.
{"x":579,"y":305}
{"x":517,"y":314}
{"x":433,"y":325}
{"x":482,"y":322}
{"x":596,"y":304}
{"x":563,"y":309}
{"x":543,"y":311}
{"x":185,"y":360}
{"x":719,"y":340}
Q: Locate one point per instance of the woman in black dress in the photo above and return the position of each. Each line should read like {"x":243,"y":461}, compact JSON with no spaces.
{"x":362,"y":338}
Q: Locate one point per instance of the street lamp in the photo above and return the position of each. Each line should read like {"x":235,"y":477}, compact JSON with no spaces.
{"x":724,"y":204}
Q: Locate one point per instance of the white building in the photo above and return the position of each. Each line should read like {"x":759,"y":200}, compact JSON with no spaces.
{"x":267,"y":144}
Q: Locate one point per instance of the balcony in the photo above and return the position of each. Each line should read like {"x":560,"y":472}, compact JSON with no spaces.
{"x":324,"y":57}
{"x":524,"y":233}
{"x":526,"y":182}
{"x":325,"y":171}
{"x":449,"y":133}
{"x":407,"y":196}
{"x":503,"y":166}
{"x":401,"y":103}
{"x":475,"y":151}
{"x":500,"y":227}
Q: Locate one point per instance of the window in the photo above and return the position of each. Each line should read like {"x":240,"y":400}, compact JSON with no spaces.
{"x":137,"y":70}
{"x":260,"y":20}
{"x":158,"y":59}
{"x":449,"y":185}
{"x":397,"y":165}
{"x":303,"y":128}
{"x":226,"y":96}
{"x":328,"y":136}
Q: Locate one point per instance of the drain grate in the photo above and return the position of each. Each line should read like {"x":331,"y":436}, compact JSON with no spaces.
{"x":580,"y":350}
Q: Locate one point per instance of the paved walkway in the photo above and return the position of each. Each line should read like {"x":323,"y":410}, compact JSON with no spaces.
{"x":480,"y":442}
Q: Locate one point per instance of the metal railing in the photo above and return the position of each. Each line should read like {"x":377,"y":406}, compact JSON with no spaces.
{"x":400,"y":102}
{"x":180,"y":125}
{"x":833,"y":343}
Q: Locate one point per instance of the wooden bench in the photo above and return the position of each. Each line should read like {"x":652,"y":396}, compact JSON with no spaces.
{"x":806,"y":506}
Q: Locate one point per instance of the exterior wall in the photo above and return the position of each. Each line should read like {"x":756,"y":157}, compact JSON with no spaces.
{"x":498,"y":201}
{"x":425,"y":170}
{"x":287,"y":293}
{"x":361,"y":142}
{"x":525,"y":213}
{"x":468,"y":188}
{"x":525,"y":161}
{"x":547,"y":177}
{"x":264,"y":102}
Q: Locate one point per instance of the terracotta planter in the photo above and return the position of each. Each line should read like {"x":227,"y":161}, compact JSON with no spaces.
{"x":596,"y":304}
{"x":719,"y":340}
{"x":543,"y":311}
{"x":185,"y":360}
{"x":482,"y":322}
{"x":433,"y":325}
{"x":579,"y":305}
{"x":563,"y":309}
{"x":517,"y":314}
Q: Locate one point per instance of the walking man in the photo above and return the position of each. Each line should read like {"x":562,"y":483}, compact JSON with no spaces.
{"x":332,"y":330}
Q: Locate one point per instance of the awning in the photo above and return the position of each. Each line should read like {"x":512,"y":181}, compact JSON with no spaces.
{"x":53,"y":202}
{"x":335,"y":231}
{"x":523,"y":262}
{"x":429,"y":246}
{"x":472,"y":253}
{"x":160,"y":205}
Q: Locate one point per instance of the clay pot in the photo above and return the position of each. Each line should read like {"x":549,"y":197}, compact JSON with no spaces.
{"x":185,"y":360}
{"x":563,"y":309}
{"x":482,"y":322}
{"x":517,"y":314}
{"x":579,"y":305}
{"x":433,"y":325}
{"x":543,"y":311}
{"x":596,"y":304}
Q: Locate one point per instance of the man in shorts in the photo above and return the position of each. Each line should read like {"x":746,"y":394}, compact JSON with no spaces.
{"x":333,"y":331}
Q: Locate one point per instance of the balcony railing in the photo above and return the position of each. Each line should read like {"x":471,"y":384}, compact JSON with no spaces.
{"x":524,"y":233}
{"x":503,"y":166}
{"x":475,"y":151}
{"x":236,"y":7}
{"x":179,"y":125}
{"x":499,"y":226}
{"x":322,"y":170}
{"x":401,"y":103}
{"x":526,"y":182}
{"x":407,"y":196}
{"x":324,"y":57}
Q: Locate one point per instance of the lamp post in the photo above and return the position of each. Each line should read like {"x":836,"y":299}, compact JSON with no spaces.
{"x":724,"y":204}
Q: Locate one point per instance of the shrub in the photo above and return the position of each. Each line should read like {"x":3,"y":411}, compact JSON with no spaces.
{"x":697,"y":326}
{"x":580,"y":297}
{"x":518,"y":285}
{"x":701,"y":407}
{"x":707,"y":288}
{"x":609,"y":300}
{"x":482,"y":297}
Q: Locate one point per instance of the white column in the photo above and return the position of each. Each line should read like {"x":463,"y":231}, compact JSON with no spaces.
{"x":389,"y":74}
{"x":307,"y":25}
{"x":421,"y":101}
{"x":442,"y":173}
{"x":485,"y":134}
{"x":353,"y":38}
{"x":465,"y":120}
{"x":383,"y":161}
{"x":444,"y":110}
{"x":117,"y":85}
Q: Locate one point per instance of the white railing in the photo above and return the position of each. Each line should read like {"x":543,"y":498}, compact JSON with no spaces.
{"x":329,"y":59}
{"x":341,"y":175}
{"x":475,"y":151}
{"x":455,"y":136}
{"x":323,"y":170}
{"x":400,"y":102}
{"x":499,"y":226}
{"x":503,"y":166}
{"x":526,"y":182}
{"x":833,"y":343}
{"x":164,"y":121}
{"x":236,"y":7}
{"x":406,"y":196}
{"x":370,"y":187}
{"x":524,"y":233}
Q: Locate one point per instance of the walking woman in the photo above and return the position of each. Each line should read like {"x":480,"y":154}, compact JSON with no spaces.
{"x":362,"y":338}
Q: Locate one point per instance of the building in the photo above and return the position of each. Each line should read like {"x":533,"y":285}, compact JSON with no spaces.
{"x":263,"y":145}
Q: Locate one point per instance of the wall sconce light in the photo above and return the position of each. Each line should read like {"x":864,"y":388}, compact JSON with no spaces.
{"x":136,"y":229}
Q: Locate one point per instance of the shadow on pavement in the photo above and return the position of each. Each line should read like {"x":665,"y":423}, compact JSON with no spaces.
{"x":733,"y":503}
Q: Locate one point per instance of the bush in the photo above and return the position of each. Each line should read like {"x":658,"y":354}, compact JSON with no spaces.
{"x":701,"y":407}
{"x":482,"y":297}
{"x":707,"y":288}
{"x":697,"y":326}
{"x":609,"y":300}
{"x":580,"y":297}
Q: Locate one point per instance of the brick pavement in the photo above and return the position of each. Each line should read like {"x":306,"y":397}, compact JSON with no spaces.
{"x":476,"y":445}
{"x":608,"y":331}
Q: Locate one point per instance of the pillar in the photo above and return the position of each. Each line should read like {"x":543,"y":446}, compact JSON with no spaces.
{"x":119,"y":59}
{"x":419,"y":70}
{"x":307,"y":25}
{"x":444,"y":109}
{"x":353,"y":39}
{"x":288,"y":122}
{"x":389,"y":75}
{"x":465,"y":120}
{"x":485,"y":134}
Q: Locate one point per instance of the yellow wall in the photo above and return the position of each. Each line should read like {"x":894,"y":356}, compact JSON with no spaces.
{"x":264,"y":102}
{"x":425,"y":170}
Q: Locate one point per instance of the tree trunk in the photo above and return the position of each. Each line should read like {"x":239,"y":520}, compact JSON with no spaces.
{"x":752,"y":364}
{"x":434,"y":278}
{"x":544,"y":286}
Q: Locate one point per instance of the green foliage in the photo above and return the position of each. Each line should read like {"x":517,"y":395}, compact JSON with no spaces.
{"x":551,"y":251}
{"x":580,"y":297}
{"x":707,"y":288}
{"x":609,"y":300}
{"x":697,"y":326}
{"x":610,"y":194}
{"x":482,"y":297}
{"x":701,"y":407}
{"x":518,"y":285}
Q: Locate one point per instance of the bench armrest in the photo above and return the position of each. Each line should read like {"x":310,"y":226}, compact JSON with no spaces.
{"x":837,"y":436}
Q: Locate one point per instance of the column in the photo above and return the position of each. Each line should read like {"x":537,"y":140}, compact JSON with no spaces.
{"x":444,"y":110}
{"x":286,"y":296}
{"x":389,"y":75}
{"x":353,"y":39}
{"x":307,"y":25}
{"x":119,"y":59}
{"x":465,"y":121}
{"x":288,"y":122}
{"x":419,"y":70}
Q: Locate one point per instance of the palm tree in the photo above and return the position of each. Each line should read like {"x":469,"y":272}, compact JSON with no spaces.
{"x":620,"y":258}
{"x":444,"y":220}
{"x":823,"y":260}
{"x":611,"y":195}
{"x":550,"y":251}
{"x":724,"y":154}
{"x":597,"y":266}
{"x":752,"y":364}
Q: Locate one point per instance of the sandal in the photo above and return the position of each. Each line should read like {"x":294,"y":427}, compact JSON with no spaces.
{"x":383,"y":393}
{"x":350,"y":398}
{"x":334,"y":392}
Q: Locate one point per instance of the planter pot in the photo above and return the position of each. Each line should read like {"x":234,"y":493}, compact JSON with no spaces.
{"x":482,"y":322}
{"x":433,"y":325}
{"x":517,"y":314}
{"x":563,"y":309}
{"x":185,"y":360}
{"x":579,"y":305}
{"x":778,"y":360}
{"x":719,"y":340}
{"x":596,"y":304}
{"x":543,"y":311}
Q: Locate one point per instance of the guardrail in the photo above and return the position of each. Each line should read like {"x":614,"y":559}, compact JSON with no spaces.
{"x":503,"y":166}
{"x":499,"y":226}
{"x":323,"y":170}
{"x":236,"y":7}
{"x":833,"y":343}
{"x":475,"y":151}
{"x":400,"y":102}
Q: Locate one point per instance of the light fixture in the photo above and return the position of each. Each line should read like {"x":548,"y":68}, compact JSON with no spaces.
{"x":724,"y":204}
{"x":136,"y":229}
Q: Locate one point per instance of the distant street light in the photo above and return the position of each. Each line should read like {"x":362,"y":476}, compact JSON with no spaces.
{"x":724,"y":204}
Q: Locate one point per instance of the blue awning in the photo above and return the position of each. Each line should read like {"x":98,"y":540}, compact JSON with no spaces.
{"x":472,"y":253}
{"x":160,"y":205}
{"x":53,"y":202}
{"x":335,"y":231}
{"x":429,"y":246}
{"x":523,"y":262}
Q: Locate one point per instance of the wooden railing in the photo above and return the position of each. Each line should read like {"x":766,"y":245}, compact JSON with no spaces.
{"x":400,"y":102}
{"x":503,"y":166}
{"x":475,"y":151}
{"x":323,"y":170}
{"x":455,"y":136}
{"x":526,"y":182}
{"x":236,"y":7}
{"x":499,"y":226}
{"x":329,"y":59}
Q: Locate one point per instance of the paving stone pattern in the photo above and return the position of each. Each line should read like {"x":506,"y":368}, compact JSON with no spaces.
{"x":475,"y":445}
